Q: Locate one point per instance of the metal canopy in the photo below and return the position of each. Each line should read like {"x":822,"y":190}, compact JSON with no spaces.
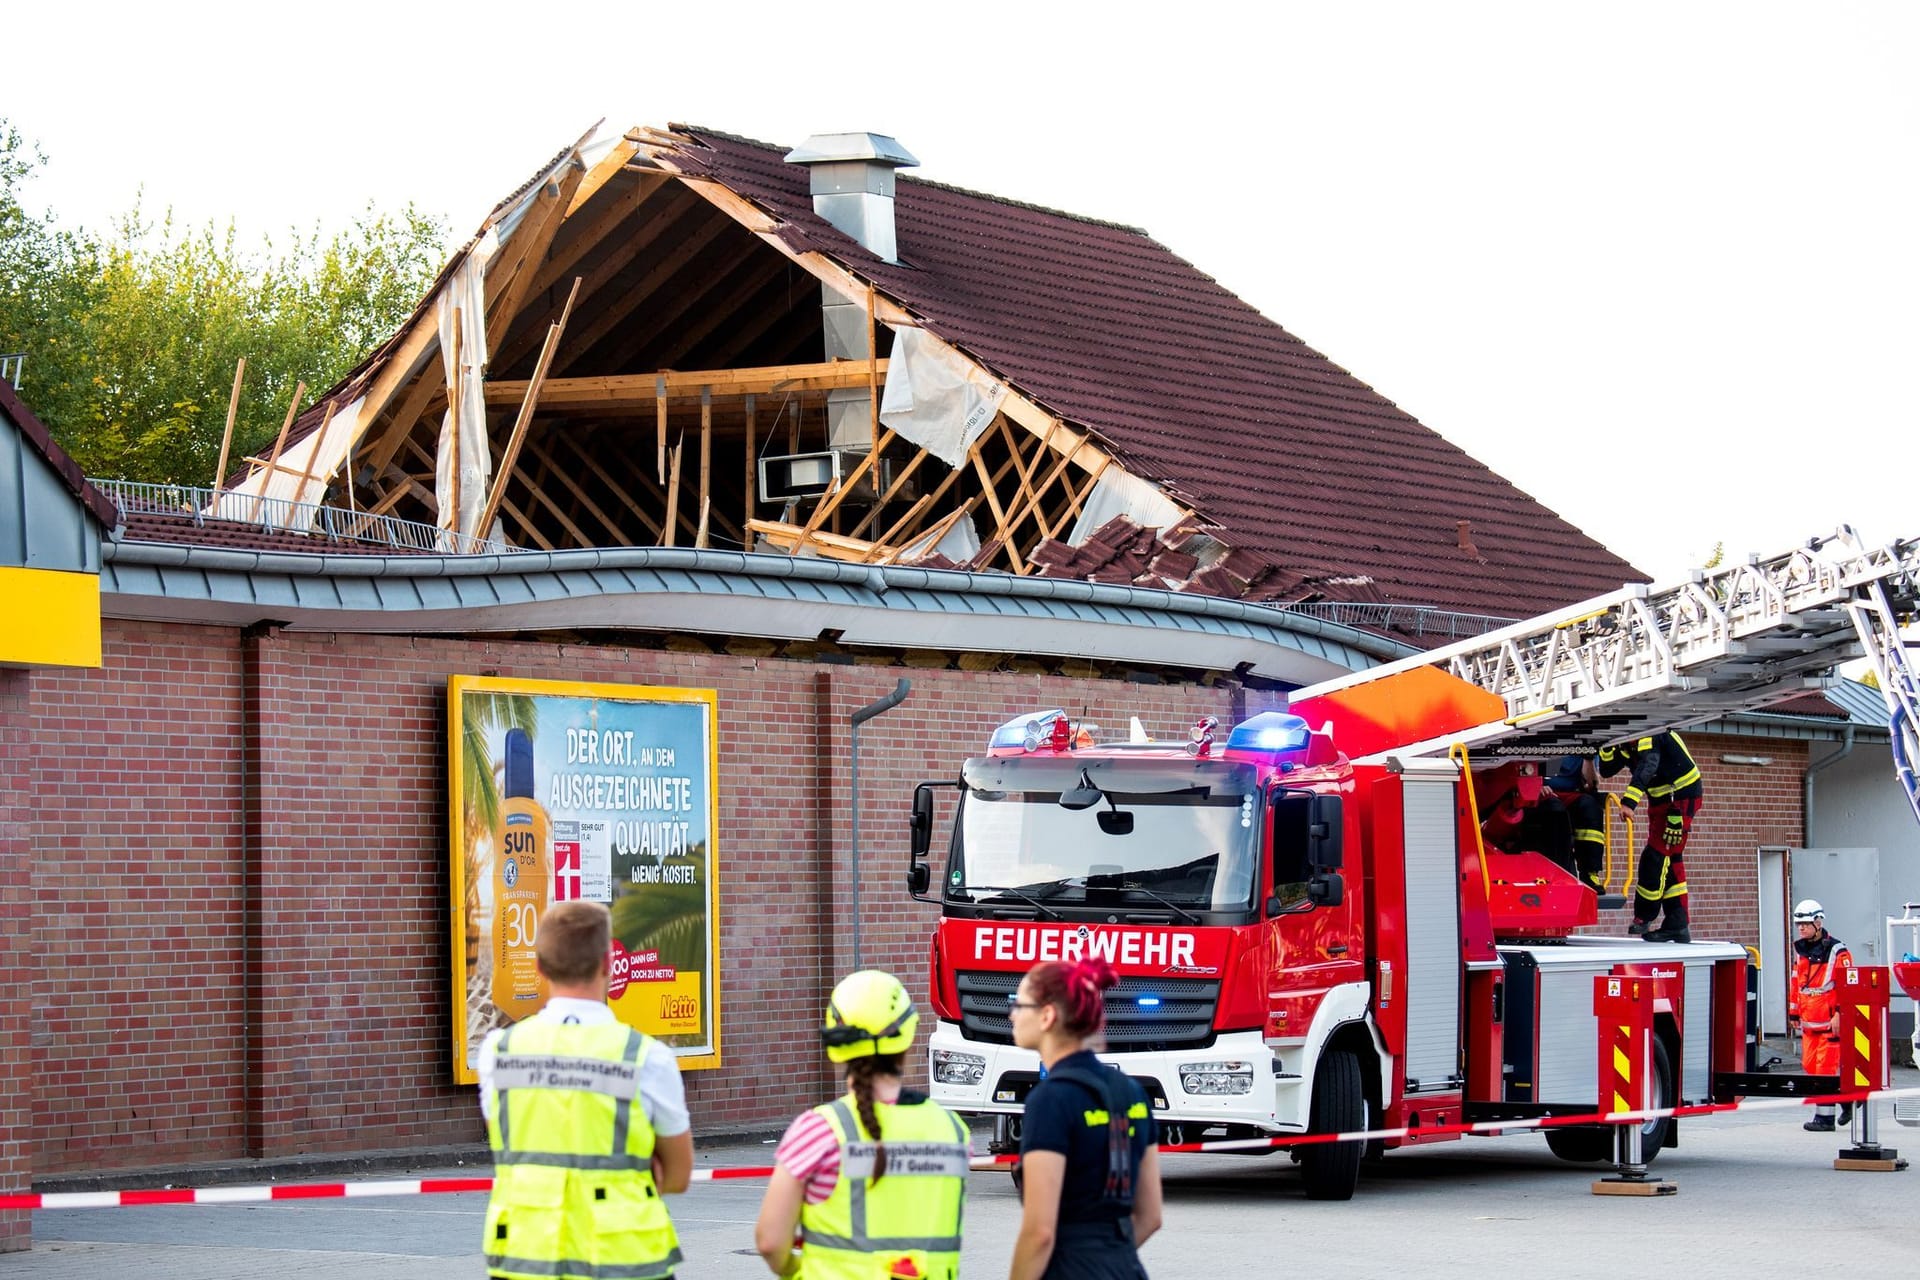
{"x":1643,"y":659}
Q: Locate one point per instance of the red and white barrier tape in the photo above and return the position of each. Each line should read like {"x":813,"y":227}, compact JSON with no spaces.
{"x":433,"y":1186}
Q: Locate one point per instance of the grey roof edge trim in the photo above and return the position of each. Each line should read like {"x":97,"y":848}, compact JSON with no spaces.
{"x":875,"y":578}
{"x":1814,"y":728}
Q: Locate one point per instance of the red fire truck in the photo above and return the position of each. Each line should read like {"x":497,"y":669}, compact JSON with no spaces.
{"x":1313,"y":932}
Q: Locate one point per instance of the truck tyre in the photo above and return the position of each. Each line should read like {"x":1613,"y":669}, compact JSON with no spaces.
{"x":1593,"y":1144}
{"x":1331,"y":1170}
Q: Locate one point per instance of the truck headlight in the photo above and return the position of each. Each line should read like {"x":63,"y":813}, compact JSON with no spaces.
{"x":1220,"y":1077}
{"x":950,"y":1067}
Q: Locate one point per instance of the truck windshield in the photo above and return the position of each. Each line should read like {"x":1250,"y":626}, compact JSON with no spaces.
{"x":1177,"y":834}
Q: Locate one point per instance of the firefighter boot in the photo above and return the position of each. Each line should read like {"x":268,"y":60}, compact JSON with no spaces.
{"x":1822,"y":1121}
{"x":1639,"y":927}
{"x":1674,"y":929}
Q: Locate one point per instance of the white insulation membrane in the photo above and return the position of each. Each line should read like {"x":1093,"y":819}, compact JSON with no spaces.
{"x":936,"y":397}
{"x":292,"y":491}
{"x":1118,"y":494}
{"x":465,"y":296}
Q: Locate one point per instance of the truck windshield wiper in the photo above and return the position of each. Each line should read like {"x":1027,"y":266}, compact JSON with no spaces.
{"x":1168,"y":903}
{"x":1046,"y":912}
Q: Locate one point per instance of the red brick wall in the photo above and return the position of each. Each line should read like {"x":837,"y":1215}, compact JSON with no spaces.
{"x":16,"y":954}
{"x":138,"y":1031}
{"x":1745,"y":808}
{"x":240,"y":874}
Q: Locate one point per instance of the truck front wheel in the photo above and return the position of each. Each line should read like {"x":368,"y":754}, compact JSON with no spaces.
{"x":1331,"y":1170}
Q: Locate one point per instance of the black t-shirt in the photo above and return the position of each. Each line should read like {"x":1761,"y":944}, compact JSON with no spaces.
{"x":1056,"y":1120}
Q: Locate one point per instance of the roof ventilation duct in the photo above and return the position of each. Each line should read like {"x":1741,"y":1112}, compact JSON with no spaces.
{"x":851,"y":178}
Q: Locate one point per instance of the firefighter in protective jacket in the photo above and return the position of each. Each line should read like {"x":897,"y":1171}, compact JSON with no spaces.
{"x":1663,"y":776}
{"x":1812,"y":1004}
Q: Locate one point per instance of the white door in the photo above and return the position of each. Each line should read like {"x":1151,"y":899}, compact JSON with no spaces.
{"x":1776,"y":961}
{"x":1847,"y":883}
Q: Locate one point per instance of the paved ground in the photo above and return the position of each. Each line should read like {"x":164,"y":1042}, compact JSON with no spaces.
{"x":1466,"y":1210}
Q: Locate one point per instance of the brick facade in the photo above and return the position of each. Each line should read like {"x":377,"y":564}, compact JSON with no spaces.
{"x":239,"y":874}
{"x":16,"y":955}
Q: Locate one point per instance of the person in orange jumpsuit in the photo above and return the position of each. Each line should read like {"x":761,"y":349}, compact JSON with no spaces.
{"x":1812,"y":1005}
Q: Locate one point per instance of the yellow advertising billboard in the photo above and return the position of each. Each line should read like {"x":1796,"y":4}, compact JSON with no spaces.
{"x":604,"y":792}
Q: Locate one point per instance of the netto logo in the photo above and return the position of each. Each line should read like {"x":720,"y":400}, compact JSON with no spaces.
{"x":679,"y":1007}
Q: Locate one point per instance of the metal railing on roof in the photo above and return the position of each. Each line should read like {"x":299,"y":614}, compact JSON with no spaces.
{"x":1407,"y":619}
{"x":12,"y":365}
{"x":299,"y":519}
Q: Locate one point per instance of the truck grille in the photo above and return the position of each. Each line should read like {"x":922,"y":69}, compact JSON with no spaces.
{"x":1182,"y":1020}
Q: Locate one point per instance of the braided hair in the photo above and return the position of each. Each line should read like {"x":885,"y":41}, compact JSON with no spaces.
{"x":1075,"y":988}
{"x":860,"y":1076}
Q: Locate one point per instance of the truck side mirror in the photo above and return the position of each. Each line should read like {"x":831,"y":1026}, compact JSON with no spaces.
{"x":1326,"y":889}
{"x":922,"y":822}
{"x":920,"y":827}
{"x":1325,"y":837}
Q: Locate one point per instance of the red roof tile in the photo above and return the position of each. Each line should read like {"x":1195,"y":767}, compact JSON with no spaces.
{"x":1295,"y":458}
{"x":1807,"y":704}
{"x":182,"y":529}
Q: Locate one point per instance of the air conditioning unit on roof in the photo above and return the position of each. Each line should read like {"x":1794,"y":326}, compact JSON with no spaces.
{"x":808,"y":475}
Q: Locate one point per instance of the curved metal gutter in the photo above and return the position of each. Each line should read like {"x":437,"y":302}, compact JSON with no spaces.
{"x":200,"y":573}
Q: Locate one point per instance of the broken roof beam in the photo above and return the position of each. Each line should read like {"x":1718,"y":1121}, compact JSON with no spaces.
{"x":832,"y":546}
{"x":1075,"y":442}
{"x":639,"y":390}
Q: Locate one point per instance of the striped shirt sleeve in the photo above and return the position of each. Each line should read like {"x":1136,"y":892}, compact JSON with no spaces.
{"x":811,"y":1153}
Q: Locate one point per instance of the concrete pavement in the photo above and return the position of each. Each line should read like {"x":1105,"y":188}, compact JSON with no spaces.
{"x":1466,"y":1210}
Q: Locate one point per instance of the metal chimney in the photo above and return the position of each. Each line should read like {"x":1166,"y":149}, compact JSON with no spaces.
{"x":851,"y":178}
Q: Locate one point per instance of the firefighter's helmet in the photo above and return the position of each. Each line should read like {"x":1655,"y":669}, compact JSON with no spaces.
{"x":1807,"y":911}
{"x":869,"y":1013}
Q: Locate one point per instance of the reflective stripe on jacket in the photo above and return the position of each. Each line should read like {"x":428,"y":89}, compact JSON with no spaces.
{"x":1812,"y":998}
{"x":573,"y":1193}
{"x":908,"y":1223}
{"x":1661,"y":766}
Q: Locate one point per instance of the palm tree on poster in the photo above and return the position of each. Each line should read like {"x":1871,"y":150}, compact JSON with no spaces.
{"x":484,"y":719}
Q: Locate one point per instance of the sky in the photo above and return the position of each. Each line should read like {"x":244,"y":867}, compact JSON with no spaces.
{"x":1655,"y":263}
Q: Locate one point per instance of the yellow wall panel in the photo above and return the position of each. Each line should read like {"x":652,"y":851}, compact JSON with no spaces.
{"x":49,"y":619}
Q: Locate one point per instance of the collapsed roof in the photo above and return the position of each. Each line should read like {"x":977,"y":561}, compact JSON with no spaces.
{"x":683,"y":337}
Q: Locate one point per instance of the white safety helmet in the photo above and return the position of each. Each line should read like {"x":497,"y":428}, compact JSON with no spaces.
{"x":1807,"y":911}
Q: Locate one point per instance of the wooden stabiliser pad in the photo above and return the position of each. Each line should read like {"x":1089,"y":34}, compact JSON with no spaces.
{"x":1634,"y":1187}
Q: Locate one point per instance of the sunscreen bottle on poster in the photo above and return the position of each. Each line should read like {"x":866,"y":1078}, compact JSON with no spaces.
{"x":522,"y":872}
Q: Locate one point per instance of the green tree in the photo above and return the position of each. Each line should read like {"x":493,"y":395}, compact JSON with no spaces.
{"x":131,"y":339}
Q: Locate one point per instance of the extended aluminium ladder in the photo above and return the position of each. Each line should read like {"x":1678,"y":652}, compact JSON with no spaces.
{"x":1892,"y":656}
{"x":1647,"y":658}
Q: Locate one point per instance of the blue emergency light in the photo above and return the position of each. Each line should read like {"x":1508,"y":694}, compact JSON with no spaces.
{"x":1148,"y":1002}
{"x":1269,"y":731}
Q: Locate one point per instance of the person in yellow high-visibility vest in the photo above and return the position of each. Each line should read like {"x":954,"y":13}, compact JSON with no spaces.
{"x":874,"y":1182}
{"x":588,"y":1121}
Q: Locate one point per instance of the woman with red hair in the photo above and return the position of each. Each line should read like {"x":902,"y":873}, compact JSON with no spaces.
{"x":1089,"y":1169}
